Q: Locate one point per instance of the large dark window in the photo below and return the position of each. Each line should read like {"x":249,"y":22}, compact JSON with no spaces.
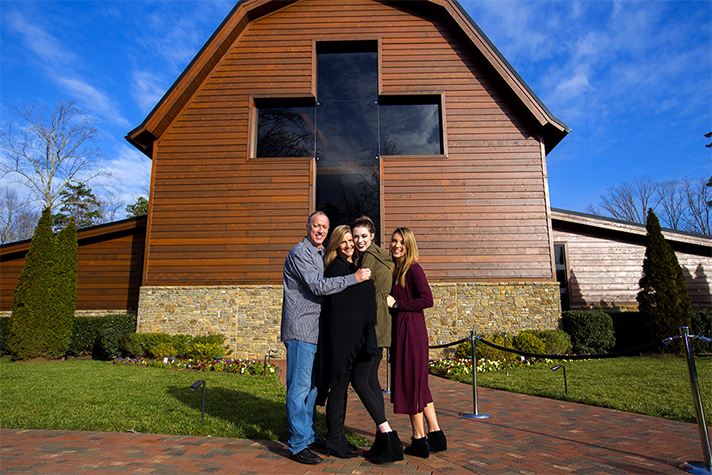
{"x":348,"y":128}
{"x":347,"y":184}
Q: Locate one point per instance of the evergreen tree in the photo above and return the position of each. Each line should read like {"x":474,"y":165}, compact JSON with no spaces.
{"x":139,"y":208}
{"x":65,"y":279}
{"x":663,"y":296}
{"x":33,"y":294}
{"x":80,"y":203}
{"x":43,"y":305}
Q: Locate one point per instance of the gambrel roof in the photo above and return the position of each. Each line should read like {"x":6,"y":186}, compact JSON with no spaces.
{"x":245,"y":11}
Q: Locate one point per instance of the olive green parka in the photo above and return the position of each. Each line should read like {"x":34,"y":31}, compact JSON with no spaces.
{"x":380,"y":263}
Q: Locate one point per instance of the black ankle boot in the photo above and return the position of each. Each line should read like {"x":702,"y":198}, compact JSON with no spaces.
{"x":392,"y":451}
{"x":419,"y":448}
{"x":437,"y":441}
{"x":378,"y":447}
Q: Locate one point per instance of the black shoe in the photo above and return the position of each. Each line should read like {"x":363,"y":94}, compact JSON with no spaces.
{"x":392,"y":452}
{"x":378,"y":447}
{"x":319,"y":445}
{"x":419,"y":448}
{"x":307,"y":456}
{"x":342,"y":454}
{"x":437,"y":441}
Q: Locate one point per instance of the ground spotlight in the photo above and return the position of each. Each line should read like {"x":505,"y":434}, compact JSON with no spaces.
{"x":195,"y":386}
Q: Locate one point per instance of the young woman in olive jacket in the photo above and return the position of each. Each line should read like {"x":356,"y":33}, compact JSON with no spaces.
{"x":387,"y":446}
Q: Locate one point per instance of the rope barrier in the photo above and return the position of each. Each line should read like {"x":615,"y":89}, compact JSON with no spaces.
{"x":614,"y":354}
{"x":704,"y":467}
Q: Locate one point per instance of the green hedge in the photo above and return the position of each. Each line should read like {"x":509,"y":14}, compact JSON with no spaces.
{"x":591,"y":331}
{"x":161,"y":345}
{"x":95,"y":336}
{"x":631,"y":330}
{"x":100,"y":336}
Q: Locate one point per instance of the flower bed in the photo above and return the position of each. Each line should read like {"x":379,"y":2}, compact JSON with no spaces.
{"x":249,"y":367}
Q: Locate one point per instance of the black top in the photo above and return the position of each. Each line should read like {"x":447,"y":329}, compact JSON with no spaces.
{"x":346,"y":329}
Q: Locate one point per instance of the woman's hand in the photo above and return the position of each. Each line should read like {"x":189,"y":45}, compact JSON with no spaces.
{"x":390,"y":301}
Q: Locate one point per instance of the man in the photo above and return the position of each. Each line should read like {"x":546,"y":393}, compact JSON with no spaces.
{"x":304,"y":288}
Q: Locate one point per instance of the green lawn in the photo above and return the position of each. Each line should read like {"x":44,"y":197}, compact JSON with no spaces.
{"x":657,"y":386}
{"x":96,"y":395}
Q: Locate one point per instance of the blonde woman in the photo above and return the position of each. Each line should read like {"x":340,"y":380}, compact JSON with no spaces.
{"x":347,"y":340}
{"x":410,"y":295}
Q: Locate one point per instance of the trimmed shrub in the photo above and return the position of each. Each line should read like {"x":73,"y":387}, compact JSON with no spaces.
{"x":182,"y":344}
{"x":101,"y":336}
{"x":4,"y":329}
{"x":631,"y":330}
{"x":61,"y":320}
{"x":205,"y":350}
{"x":161,"y":345}
{"x":591,"y":331}
{"x":163,"y":350}
{"x":484,"y":351}
{"x":32,"y":302}
{"x":556,"y":342}
{"x":528,"y":342}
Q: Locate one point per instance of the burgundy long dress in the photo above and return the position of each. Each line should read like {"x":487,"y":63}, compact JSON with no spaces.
{"x":409,"y":352}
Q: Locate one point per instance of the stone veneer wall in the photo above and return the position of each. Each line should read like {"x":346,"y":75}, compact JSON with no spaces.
{"x":249,"y":315}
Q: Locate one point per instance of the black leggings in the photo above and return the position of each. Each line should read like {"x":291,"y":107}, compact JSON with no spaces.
{"x":364,"y":380}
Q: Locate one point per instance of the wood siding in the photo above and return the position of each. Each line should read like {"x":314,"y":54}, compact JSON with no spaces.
{"x":220,"y":217}
{"x":109,"y":262}
{"x":604,"y":267}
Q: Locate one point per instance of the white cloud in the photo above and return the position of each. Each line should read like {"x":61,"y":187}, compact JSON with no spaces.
{"x":93,"y":100}
{"x":147,"y":89}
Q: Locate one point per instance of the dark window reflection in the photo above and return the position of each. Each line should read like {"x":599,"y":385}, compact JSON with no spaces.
{"x":410,"y":126}
{"x":284,"y":131}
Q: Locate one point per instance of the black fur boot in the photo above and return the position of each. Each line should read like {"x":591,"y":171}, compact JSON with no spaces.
{"x":378,"y":447}
{"x":393,"y":450}
{"x":419,"y":448}
{"x":437,"y":441}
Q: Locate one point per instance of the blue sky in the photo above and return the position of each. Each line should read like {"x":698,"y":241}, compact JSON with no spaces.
{"x":631,"y":78}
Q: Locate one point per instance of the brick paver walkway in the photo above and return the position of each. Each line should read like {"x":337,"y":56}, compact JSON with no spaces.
{"x":525,"y":435}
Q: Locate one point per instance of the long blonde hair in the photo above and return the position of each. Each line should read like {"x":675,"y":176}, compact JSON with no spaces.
{"x":410,"y":254}
{"x":332,"y":249}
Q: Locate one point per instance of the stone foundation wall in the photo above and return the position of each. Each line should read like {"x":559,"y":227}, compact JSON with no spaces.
{"x":249,"y":316}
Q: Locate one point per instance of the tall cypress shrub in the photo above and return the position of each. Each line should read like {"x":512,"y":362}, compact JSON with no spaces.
{"x":44,"y":300}
{"x":61,"y":320}
{"x":663,"y":297}
{"x":33,"y":295}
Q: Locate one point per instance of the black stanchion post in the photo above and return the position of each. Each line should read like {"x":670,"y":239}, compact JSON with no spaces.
{"x":476,"y":414}
{"x":388,"y":366}
{"x":704,"y":467}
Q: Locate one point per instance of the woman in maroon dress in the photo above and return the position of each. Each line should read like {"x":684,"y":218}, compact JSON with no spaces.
{"x":410,"y":393}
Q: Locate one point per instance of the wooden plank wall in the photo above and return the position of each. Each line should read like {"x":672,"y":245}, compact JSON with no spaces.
{"x":219,"y":217}
{"x":604,"y":273}
{"x":109,"y":263}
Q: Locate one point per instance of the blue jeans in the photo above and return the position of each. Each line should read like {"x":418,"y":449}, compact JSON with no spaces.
{"x":301,"y":395}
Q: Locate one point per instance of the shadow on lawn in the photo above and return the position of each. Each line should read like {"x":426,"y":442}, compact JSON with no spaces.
{"x":252,"y":416}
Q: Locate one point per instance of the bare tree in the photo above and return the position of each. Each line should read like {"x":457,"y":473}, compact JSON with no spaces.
{"x":629,"y":201}
{"x":673,"y":203}
{"x":17,"y":218}
{"x":49,"y":149}
{"x":697,"y":195}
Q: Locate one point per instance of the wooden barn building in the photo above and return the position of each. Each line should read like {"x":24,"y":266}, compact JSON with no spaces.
{"x":401,"y":110}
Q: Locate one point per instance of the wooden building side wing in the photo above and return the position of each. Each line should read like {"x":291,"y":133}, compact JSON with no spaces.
{"x":109,"y":263}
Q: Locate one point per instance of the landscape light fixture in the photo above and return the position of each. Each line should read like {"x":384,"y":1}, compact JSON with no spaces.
{"x":554,"y":368}
{"x":195,"y":386}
